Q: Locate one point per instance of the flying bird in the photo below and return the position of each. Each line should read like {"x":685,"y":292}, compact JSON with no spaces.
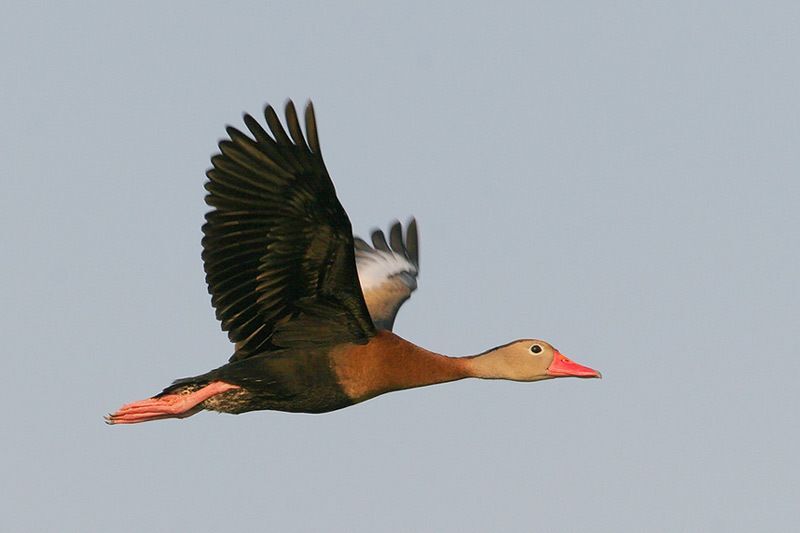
{"x":309,"y":307}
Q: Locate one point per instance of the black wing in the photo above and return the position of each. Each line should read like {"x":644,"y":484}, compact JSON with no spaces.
{"x":278,"y":246}
{"x":388,"y":271}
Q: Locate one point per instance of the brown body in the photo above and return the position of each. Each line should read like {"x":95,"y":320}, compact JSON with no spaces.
{"x":319,"y":381}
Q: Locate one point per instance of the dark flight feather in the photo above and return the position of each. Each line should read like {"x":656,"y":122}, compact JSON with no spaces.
{"x":278,"y":247}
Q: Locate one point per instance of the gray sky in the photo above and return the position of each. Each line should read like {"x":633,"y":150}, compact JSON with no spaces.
{"x":619,"y":180}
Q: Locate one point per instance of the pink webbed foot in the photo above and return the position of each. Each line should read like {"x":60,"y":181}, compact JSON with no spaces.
{"x":167,"y":406}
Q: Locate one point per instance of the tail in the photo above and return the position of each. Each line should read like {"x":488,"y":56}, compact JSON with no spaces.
{"x":182,"y":399}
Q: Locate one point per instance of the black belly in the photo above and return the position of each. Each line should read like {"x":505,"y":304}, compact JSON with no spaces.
{"x":318,"y":400}
{"x":280,"y":381}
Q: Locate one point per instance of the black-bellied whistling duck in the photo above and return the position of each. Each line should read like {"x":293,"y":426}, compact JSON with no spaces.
{"x":283,"y":270}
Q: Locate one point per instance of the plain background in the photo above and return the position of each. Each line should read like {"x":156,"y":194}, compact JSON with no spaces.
{"x":619,"y":178}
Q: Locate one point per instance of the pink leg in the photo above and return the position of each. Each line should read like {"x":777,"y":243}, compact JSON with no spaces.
{"x":167,"y":406}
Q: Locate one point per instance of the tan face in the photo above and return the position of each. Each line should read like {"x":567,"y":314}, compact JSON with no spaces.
{"x":523,"y":360}
{"x":530,"y":360}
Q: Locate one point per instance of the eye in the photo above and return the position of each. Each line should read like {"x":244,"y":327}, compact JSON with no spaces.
{"x":536,"y":348}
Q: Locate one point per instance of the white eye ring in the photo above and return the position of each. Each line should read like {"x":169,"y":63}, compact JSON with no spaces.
{"x":536,"y":349}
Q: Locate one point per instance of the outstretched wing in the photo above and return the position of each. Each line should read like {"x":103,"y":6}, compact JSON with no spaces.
{"x":388,"y":271}
{"x":278,"y":247}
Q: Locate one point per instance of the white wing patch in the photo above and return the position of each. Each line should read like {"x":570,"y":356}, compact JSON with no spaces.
{"x":388,"y":271}
{"x":376,"y":267}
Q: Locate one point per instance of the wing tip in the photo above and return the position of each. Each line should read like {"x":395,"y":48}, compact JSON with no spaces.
{"x":412,"y":241}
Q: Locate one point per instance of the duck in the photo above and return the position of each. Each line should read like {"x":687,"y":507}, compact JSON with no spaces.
{"x":308,"y":307}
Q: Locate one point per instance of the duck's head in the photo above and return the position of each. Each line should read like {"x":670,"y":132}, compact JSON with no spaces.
{"x":528,"y":360}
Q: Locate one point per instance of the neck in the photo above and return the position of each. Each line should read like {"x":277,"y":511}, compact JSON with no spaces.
{"x":411,"y":366}
{"x":484,"y":366}
{"x":421,"y":367}
{"x":429,"y":368}
{"x":389,"y":363}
